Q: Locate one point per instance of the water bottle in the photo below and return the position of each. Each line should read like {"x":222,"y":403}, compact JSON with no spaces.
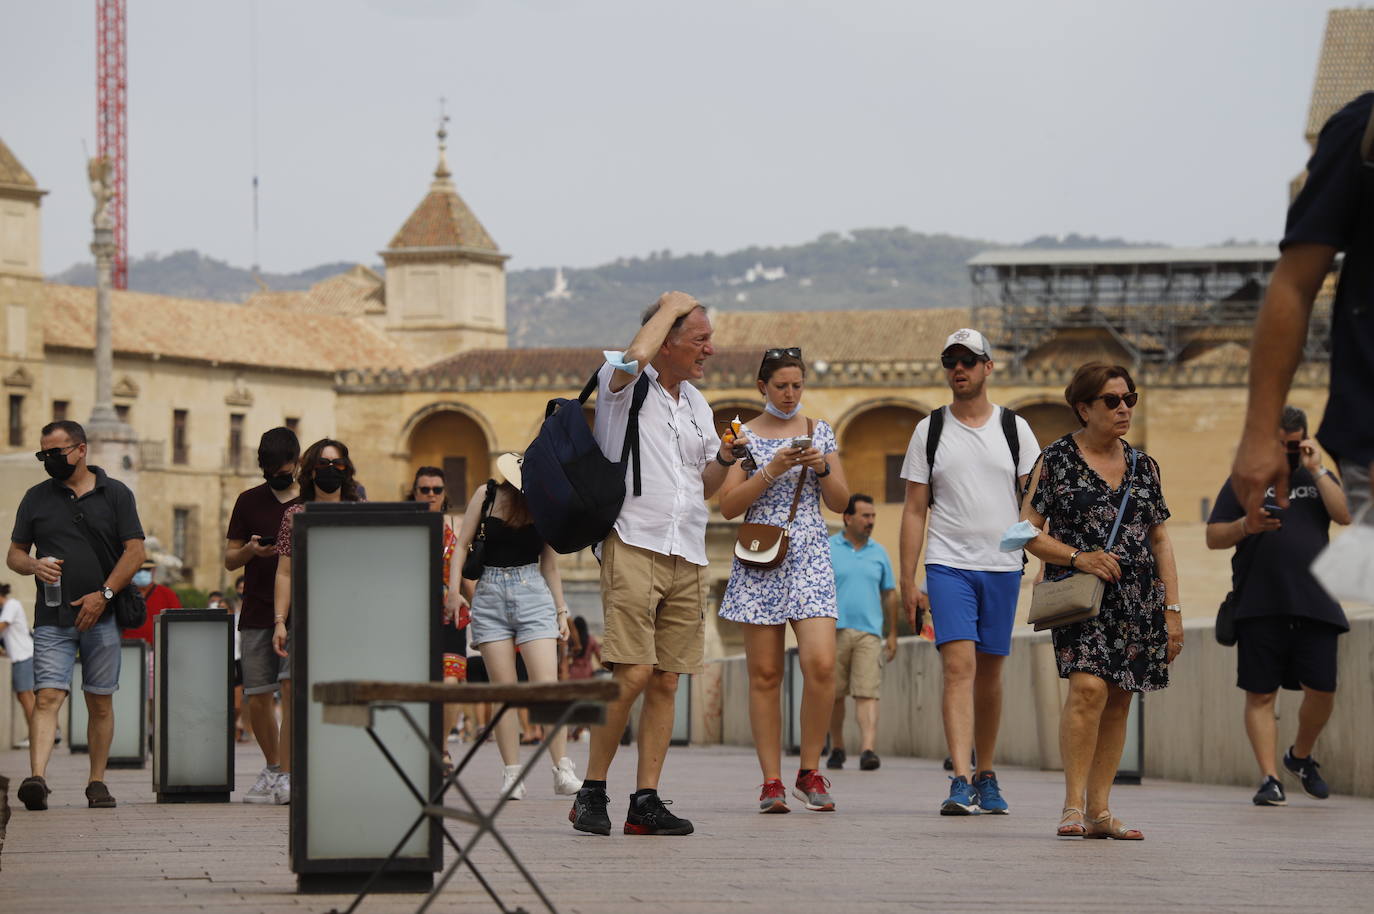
{"x":52,"y":593}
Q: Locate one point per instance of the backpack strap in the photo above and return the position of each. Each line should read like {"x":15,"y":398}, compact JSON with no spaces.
{"x":1013,"y":436}
{"x":631,"y":448}
{"x":937,"y":424}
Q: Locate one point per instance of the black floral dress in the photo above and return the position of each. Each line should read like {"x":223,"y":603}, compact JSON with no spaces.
{"x":1127,"y":642}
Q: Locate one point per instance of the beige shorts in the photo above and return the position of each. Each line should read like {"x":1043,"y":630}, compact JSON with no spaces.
{"x":858,"y":663}
{"x":655,"y":608}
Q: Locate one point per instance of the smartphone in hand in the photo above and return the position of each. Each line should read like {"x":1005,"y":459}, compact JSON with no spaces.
{"x":1273,"y":510}
{"x":803,"y":442}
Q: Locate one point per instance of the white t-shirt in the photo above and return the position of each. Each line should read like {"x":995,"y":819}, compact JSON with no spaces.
{"x":18,"y":638}
{"x":677,"y":439}
{"x":975,"y":498}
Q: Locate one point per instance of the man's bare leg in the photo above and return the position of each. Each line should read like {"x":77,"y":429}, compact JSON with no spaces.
{"x":959,"y":663}
{"x":99,"y":732}
{"x":987,"y":707}
{"x":43,"y":730}
{"x":262,"y":712}
{"x":655,"y":728}
{"x":632,"y":678}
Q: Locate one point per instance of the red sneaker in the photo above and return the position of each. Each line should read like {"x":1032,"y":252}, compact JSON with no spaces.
{"x":774,"y":796}
{"x":813,"y":790}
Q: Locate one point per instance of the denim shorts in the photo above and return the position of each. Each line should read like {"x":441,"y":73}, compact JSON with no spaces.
{"x":513,"y":603}
{"x":54,"y":657}
{"x":21,"y":675}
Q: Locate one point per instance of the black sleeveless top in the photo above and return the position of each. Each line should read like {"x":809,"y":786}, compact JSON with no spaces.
{"x":510,"y":547}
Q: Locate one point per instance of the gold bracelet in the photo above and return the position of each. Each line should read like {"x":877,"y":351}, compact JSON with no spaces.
{"x":767,"y":476}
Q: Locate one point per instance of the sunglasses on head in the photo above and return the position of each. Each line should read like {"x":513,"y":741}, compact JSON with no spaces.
{"x":1112,"y":401}
{"x":774,"y":354}
{"x":430,"y":490}
{"x":339,"y":464}
{"x":968,"y":361}
{"x":53,"y":453}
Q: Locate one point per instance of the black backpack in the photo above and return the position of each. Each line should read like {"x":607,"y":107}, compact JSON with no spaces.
{"x":937,"y":424}
{"x":574,"y":492}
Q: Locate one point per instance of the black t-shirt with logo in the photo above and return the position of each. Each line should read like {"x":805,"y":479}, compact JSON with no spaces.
{"x":1280,"y":582}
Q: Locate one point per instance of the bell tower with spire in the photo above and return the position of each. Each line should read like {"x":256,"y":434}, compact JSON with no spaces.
{"x":445,"y":276}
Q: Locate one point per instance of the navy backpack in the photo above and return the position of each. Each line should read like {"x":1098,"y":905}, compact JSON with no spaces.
{"x":574,"y":492}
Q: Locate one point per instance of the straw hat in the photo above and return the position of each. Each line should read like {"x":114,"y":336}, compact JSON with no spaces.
{"x":508,"y":468}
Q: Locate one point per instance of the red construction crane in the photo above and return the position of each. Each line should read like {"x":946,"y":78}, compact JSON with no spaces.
{"x":111,"y":78}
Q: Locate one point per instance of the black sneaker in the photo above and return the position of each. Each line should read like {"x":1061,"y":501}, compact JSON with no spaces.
{"x":869,"y":761}
{"x":1306,"y":770}
{"x":33,"y":793}
{"x":588,"y":811}
{"x":649,"y":815}
{"x":836,"y":760}
{"x":1270,"y":793}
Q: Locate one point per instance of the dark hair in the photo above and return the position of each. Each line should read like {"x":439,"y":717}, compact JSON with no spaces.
{"x":214,"y":593}
{"x":516,"y":507}
{"x":349,"y":490}
{"x":650,"y":311}
{"x":276,"y":447}
{"x":768,"y":366}
{"x":1293,"y":420}
{"x":73,"y":429}
{"x":237,"y":581}
{"x":583,"y":636}
{"x":855,"y":499}
{"x":5,"y":592}
{"x":1089,"y":380}
{"x":429,"y":471}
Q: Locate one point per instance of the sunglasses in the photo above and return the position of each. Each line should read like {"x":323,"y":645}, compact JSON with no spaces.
{"x":430,"y":490}
{"x":341,"y":465}
{"x":1112,"y":401}
{"x":968,"y":361}
{"x":53,"y":453}
{"x":774,"y":354}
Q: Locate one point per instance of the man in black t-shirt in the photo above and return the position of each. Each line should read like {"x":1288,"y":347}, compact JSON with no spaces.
{"x":250,"y":545}
{"x":1334,"y":212}
{"x":1286,"y":624}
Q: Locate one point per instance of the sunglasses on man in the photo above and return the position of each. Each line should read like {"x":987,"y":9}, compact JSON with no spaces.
{"x":1112,"y":401}
{"x":430,"y":490}
{"x":340,"y":464}
{"x":968,"y":361}
{"x":53,"y":453}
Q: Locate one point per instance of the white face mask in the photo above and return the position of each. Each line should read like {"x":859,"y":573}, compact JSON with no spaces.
{"x":772,"y":410}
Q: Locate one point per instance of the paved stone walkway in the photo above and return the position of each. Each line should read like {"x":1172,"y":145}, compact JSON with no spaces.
{"x":1207,"y":849}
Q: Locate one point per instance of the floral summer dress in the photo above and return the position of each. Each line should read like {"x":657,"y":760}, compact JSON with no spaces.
{"x":1127,"y":642}
{"x":803,"y":586}
{"x":454,"y":643}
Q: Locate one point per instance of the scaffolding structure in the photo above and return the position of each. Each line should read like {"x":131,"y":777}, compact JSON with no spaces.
{"x":1160,"y":305}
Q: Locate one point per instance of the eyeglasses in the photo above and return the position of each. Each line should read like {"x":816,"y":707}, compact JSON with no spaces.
{"x":340,"y":464}
{"x":53,"y":453}
{"x":1112,"y":401}
{"x":968,"y":361}
{"x":430,"y":490}
{"x":774,"y":354}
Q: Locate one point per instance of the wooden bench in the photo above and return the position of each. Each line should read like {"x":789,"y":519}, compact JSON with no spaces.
{"x":354,"y":703}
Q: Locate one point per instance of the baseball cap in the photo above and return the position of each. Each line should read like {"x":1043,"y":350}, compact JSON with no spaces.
{"x":971,"y":340}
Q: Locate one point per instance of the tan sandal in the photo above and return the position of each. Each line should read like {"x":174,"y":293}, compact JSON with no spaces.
{"x":1071,"y":823}
{"x":1109,"y":826}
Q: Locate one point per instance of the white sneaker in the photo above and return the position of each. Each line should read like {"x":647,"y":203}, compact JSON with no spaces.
{"x":566,"y":783}
{"x":281,"y":789}
{"x":511,"y":783}
{"x":263,"y":787}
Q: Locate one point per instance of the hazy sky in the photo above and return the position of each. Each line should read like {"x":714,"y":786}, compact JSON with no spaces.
{"x":584,"y":130}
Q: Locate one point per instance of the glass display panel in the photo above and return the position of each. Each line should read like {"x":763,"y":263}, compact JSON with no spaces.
{"x":197,"y":719}
{"x":129,"y":706}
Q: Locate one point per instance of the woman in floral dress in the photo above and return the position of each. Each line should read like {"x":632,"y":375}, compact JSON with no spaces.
{"x":799,"y":591}
{"x":1077,"y":489}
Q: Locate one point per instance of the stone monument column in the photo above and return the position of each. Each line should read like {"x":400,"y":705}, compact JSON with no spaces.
{"x":112,"y":443}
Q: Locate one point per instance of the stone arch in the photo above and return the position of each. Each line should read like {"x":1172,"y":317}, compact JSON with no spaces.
{"x":454,"y":437}
{"x":1048,"y":419}
{"x":873,"y":440}
{"x":723,"y":411}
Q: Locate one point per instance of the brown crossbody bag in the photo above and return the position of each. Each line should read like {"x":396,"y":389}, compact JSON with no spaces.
{"x":765,"y":545}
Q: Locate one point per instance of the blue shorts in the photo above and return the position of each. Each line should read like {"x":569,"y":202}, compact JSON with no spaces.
{"x":512,"y":604}
{"x":21,"y":675}
{"x":54,"y":657}
{"x":977,"y":606}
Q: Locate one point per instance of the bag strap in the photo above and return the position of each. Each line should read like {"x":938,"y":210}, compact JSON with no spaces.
{"x":1121,"y":512}
{"x":630,"y":450}
{"x":1033,"y":482}
{"x":801,"y":477}
{"x":487,"y":502}
{"x":99,"y":549}
{"x":937,"y":424}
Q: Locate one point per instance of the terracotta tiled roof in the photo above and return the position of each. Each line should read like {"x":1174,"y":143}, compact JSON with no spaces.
{"x":211,"y":331}
{"x":12,"y":172}
{"x":354,"y":293}
{"x":843,"y":336}
{"x":1223,"y":354}
{"x":442,"y":220}
{"x":1346,"y":68}
{"x":495,"y":367}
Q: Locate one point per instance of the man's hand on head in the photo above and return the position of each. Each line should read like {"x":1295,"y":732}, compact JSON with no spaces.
{"x":678,"y":303}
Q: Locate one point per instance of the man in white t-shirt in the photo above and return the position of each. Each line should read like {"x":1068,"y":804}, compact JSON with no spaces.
{"x":18,"y":641}
{"x":959,"y":505}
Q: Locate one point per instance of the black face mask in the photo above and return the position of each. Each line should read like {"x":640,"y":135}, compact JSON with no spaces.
{"x":58,"y":467}
{"x":328,"y":479}
{"x":281,"y":481}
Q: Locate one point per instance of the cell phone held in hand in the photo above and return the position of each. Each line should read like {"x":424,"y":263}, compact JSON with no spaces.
{"x":267,"y":541}
{"x":1273,"y":510}
{"x":803,"y":442}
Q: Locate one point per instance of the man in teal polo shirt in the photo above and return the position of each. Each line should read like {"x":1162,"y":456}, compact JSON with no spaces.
{"x":865,"y":588}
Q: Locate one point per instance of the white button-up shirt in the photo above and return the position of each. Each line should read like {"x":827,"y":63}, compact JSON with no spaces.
{"x":677,"y":439}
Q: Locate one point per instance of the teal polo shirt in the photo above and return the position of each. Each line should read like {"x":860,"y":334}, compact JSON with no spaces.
{"x":861,"y":576}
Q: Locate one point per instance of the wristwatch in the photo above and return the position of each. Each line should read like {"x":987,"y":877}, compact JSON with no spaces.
{"x":107,"y":593}
{"x":725,"y":463}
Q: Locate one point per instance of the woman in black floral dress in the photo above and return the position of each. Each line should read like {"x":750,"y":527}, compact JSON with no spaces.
{"x":1077,"y":490}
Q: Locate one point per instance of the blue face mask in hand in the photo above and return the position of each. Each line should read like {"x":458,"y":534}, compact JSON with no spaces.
{"x":1017,"y":535}
{"x":143,"y":578}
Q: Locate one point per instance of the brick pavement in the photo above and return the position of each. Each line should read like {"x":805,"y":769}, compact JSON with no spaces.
{"x":885,"y":849}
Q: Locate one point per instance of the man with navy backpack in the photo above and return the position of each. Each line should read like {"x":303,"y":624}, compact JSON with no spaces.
{"x":653,"y":563}
{"x":965,"y":468}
